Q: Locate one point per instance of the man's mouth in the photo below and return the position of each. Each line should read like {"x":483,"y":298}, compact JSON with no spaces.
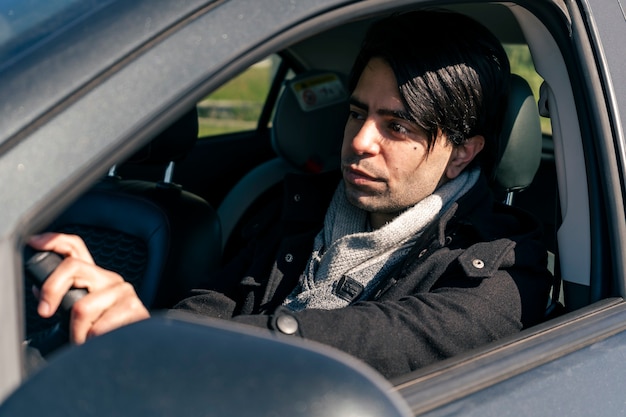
{"x":358,"y":177}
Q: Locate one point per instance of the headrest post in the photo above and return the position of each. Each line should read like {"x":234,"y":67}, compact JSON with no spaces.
{"x":169,"y":172}
{"x":508,"y":200}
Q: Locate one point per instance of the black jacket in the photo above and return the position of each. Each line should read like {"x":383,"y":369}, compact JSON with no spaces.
{"x":478,"y":274}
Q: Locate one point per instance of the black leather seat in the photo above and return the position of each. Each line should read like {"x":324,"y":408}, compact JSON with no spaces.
{"x":159,"y":237}
{"x":194,"y":227}
{"x":194,"y":238}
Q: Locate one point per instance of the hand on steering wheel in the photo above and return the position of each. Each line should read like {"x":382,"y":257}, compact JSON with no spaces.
{"x":110,"y":302}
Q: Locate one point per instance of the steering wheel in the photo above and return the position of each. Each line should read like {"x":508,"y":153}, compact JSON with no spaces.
{"x":38,"y":265}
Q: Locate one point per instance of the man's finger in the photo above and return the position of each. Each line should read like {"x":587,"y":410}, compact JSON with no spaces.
{"x":66,"y":245}
{"x":72,"y":273}
{"x":105,"y":310}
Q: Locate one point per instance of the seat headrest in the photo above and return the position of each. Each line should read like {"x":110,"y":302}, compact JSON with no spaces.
{"x":309,"y":120}
{"x":172,"y":144}
{"x":520,"y":140}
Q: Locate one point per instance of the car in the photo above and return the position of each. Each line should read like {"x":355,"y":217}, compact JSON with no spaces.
{"x":92,"y":97}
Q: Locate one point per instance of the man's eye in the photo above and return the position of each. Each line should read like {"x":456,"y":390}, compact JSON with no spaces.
{"x":356,"y":115}
{"x":398,"y":128}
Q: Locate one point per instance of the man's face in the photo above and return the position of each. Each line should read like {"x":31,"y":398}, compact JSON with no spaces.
{"x":385,"y":161}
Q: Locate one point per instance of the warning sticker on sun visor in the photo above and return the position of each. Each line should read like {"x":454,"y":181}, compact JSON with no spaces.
{"x":318,"y":91}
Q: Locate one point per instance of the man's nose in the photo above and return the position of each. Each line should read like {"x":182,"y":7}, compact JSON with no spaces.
{"x":367,"y":139}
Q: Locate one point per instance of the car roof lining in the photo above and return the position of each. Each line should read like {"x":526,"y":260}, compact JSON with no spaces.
{"x":342,"y":42}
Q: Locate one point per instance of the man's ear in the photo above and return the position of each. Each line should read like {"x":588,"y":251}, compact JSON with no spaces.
{"x":463,"y":154}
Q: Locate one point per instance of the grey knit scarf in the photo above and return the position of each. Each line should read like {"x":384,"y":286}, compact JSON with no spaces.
{"x":345,"y":247}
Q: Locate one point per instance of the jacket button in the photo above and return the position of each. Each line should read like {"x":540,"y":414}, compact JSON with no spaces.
{"x":478,"y":264}
{"x":289,"y":258}
{"x":297,"y":198}
{"x":287,"y":324}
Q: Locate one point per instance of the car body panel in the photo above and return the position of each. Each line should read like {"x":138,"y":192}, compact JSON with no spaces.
{"x":76,"y":55}
{"x":571,"y":386}
{"x":524,"y":356}
{"x":191,"y":366}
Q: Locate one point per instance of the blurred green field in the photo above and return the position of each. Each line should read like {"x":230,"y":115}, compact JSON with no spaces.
{"x":236,"y":106}
{"x":244,"y":95}
{"x":212,"y":127}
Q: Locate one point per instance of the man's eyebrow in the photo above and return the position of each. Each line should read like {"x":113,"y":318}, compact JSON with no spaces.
{"x":358,"y":103}
{"x":399,"y":114}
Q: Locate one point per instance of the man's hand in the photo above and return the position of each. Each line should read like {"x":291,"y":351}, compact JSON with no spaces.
{"x":111,"y":302}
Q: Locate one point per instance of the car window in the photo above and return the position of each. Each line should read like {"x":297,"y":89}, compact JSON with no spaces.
{"x":237,"y":105}
{"x":522,"y":65}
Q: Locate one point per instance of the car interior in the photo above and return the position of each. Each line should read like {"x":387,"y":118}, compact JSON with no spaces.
{"x":177,"y":208}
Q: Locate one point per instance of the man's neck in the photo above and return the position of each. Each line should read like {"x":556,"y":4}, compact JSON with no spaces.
{"x":378,"y":220}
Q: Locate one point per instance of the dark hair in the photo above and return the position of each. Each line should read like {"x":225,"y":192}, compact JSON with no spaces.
{"x":452,"y":73}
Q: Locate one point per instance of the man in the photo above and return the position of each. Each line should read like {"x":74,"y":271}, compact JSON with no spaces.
{"x":414,"y":262}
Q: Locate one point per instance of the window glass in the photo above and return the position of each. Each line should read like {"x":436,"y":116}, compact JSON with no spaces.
{"x":237,"y":105}
{"x":522,"y":65}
